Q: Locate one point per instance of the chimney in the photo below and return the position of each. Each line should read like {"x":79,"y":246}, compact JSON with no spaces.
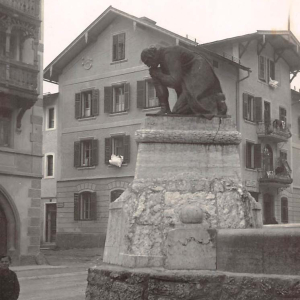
{"x":147,"y":20}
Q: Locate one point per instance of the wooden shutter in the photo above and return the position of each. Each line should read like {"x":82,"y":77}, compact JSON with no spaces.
{"x":141,"y":94}
{"x":107,"y":150}
{"x":127,"y":95}
{"x":78,"y":106}
{"x":115,"y":47}
{"x":94,"y":206}
{"x":95,"y":153}
{"x":126,"y":145}
{"x":272,"y":70}
{"x":258,"y":109}
{"x":76,"y":207}
{"x":261,"y":68}
{"x":284,"y":210}
{"x":95,"y":102}
{"x":257,"y":156}
{"x":77,"y":154}
{"x":108,"y":97}
{"x":245,"y":106}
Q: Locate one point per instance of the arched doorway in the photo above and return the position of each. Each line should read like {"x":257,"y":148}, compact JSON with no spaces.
{"x":269,"y":216}
{"x":9,"y":218}
{"x":3,"y":233}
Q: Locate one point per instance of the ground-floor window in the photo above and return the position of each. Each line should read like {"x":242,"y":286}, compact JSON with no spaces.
{"x":284,"y":210}
{"x":85,"y":206}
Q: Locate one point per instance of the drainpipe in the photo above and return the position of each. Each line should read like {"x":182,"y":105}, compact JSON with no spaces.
{"x":238,"y":96}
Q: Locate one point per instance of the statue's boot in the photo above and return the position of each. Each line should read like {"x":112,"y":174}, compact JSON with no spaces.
{"x":165,"y":109}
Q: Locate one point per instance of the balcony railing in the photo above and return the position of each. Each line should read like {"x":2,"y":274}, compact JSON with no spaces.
{"x":30,"y":7}
{"x":280,"y":177}
{"x":18,"y":75}
{"x":276,"y":130}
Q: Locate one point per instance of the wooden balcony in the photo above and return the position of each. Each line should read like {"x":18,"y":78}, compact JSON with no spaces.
{"x":281,"y":177}
{"x":276,"y":131}
{"x":19,"y":76}
{"x":28,"y":7}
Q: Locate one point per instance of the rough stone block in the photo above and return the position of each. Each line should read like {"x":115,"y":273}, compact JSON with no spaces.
{"x":191,"y":248}
{"x":34,"y":193}
{"x":33,"y":249}
{"x":36,"y":184}
{"x":35,"y":202}
{"x":34,"y":240}
{"x":33,"y":231}
{"x":34,"y":221}
{"x":37,"y":148}
{"x":36,"y":120}
{"x":36,"y":137}
{"x":34,"y":212}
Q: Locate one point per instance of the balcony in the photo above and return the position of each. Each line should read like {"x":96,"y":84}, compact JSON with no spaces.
{"x":29,"y":7}
{"x":276,"y":131}
{"x":281,"y":177}
{"x":20,"y":76}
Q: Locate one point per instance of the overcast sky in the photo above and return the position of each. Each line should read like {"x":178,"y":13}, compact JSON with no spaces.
{"x":203,"y":20}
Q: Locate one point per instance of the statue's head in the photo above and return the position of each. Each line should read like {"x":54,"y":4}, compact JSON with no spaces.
{"x":149,"y":57}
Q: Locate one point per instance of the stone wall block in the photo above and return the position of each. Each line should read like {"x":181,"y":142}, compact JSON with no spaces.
{"x":33,"y":250}
{"x":34,"y":240}
{"x":36,"y":184}
{"x":34,"y":212}
{"x":34,"y":193}
{"x":34,"y":221}
{"x":36,"y":120}
{"x":36,"y":202}
{"x":33,"y":231}
{"x":36,"y":137}
{"x":37,"y":148}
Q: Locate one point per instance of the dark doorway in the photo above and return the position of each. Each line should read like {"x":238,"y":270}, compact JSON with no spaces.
{"x":269,"y":217}
{"x":3,"y":233}
{"x":50,"y":222}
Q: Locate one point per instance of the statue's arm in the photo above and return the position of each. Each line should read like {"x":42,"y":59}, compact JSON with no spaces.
{"x":174,"y":66}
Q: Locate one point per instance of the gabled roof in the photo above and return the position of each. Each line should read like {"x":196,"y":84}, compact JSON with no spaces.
{"x":90,"y":34}
{"x":284,"y":42}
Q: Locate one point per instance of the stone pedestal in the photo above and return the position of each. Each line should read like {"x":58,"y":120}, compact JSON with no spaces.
{"x":187,"y":185}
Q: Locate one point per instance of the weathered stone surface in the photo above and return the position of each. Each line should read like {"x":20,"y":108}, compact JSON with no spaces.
{"x":112,"y":282}
{"x":191,"y":247}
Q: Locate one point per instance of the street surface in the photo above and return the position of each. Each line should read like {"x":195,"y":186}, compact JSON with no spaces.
{"x":53,"y":284}
{"x":63,"y":278}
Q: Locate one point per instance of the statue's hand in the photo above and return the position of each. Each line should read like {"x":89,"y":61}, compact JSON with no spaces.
{"x":155,"y":72}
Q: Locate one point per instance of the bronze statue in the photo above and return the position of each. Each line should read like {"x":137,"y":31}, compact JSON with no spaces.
{"x":191,"y":75}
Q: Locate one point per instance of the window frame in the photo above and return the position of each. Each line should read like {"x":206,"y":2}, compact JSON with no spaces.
{"x":252,"y":110}
{"x":268,"y":71}
{"x":116,"y":56}
{"x":80,"y":212}
{"x":254,"y":160}
{"x":114,"y":191}
{"x":110,"y":101}
{"x":109,"y":144}
{"x":48,"y":128}
{"x":143,"y":94}
{"x":79,"y":152}
{"x":46,"y":165}
{"x":6,"y":123}
{"x":283,"y":117}
{"x":80,"y":100}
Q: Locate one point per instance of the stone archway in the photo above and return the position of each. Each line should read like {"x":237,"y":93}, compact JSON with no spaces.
{"x":12,"y":223}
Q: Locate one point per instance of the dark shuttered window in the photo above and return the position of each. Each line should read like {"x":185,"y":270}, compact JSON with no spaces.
{"x":284,"y":210}
{"x":85,"y":206}
{"x":117,"y":98}
{"x":146,"y":94}
{"x":252,"y":108}
{"x":86,"y":153}
{"x":87,"y":104}
{"x":253,"y":155}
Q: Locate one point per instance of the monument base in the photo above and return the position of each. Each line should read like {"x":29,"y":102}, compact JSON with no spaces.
{"x":114,"y":282}
{"x":187,"y":185}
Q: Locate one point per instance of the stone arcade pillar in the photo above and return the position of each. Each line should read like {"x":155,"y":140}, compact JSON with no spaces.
{"x":187,"y":185}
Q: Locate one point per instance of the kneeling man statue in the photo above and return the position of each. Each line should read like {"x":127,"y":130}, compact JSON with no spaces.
{"x":191,"y":75}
